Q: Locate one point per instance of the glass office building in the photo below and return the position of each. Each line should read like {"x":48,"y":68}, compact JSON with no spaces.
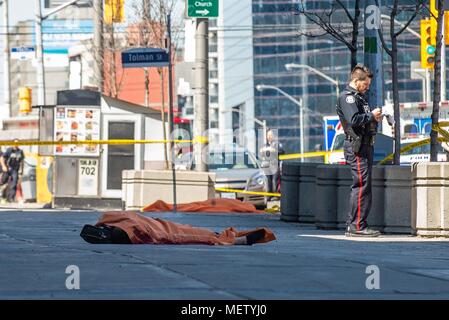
{"x":277,"y":29}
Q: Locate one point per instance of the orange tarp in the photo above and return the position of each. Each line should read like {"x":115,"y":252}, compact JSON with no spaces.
{"x":146,"y":230}
{"x":212,"y":205}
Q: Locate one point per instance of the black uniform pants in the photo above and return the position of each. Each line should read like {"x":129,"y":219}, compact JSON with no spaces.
{"x":361,"y":193}
{"x":12,"y":178}
{"x":273,"y":181}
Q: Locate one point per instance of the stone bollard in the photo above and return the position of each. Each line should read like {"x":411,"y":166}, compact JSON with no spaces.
{"x":430,"y":199}
{"x":290,"y":191}
{"x":326,"y":197}
{"x":343,"y":192}
{"x":307,"y":192}
{"x":376,"y":217}
{"x":397,"y":207}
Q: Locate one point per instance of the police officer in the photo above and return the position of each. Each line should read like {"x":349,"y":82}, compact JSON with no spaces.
{"x":359,"y":124}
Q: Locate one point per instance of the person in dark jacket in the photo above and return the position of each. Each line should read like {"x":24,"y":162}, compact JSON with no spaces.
{"x":359,"y":124}
{"x":12,"y":161}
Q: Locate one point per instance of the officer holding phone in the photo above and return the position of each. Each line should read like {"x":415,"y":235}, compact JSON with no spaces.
{"x":359,"y":124}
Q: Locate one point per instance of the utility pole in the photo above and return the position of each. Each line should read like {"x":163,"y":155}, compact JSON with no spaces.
{"x":39,"y":46}
{"x":170,"y":108}
{"x":443,"y":60}
{"x":40,"y":56}
{"x":301,"y":126}
{"x":6,"y":113}
{"x":428,"y":86}
{"x":201,"y":93}
{"x":98,"y":44}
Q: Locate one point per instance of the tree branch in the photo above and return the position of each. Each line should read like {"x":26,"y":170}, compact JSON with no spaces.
{"x":348,"y":14}
{"x":418,"y":9}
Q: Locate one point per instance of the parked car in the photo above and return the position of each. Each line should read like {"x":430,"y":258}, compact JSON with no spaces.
{"x":234,"y":168}
{"x":419,"y":154}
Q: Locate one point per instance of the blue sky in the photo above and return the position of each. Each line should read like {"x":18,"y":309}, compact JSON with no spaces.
{"x":20,"y":10}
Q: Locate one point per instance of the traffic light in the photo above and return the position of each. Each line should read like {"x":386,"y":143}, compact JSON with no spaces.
{"x":114,"y":11}
{"x":25,"y":100}
{"x":434,"y":14}
{"x":427,"y":44}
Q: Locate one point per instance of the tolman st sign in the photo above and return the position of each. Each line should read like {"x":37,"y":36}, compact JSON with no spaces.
{"x":145,"y":57}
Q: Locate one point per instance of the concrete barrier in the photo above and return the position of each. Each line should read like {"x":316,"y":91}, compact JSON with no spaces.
{"x":430,"y":199}
{"x":142,"y":187}
{"x":343,"y":193}
{"x":307,"y":192}
{"x":397,"y":204}
{"x":376,"y":218}
{"x":326,"y":197}
{"x":290,"y":191}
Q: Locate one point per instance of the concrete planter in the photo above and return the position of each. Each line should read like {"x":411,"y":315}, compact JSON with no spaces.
{"x":290,"y":191}
{"x":343,"y":193}
{"x":430,"y":199}
{"x":326,"y":197}
{"x":397,"y":206}
{"x":307,"y":192}
{"x":143,"y":187}
{"x":376,"y":218}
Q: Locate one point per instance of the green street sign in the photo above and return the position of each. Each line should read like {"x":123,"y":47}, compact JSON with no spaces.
{"x":202,"y":8}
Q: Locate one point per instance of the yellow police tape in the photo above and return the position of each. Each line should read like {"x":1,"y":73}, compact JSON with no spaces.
{"x":303,"y":155}
{"x":88,"y":142}
{"x":268,"y":194}
{"x":438,"y":128}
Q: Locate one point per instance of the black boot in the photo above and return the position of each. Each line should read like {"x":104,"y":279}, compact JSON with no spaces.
{"x":97,"y":234}
{"x":253,"y":237}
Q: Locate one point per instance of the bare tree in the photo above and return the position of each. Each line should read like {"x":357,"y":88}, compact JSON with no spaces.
{"x":112,"y":50}
{"x":395,"y":10}
{"x":346,"y":32}
{"x":437,"y":83}
{"x":151,"y":32}
{"x":114,"y":44}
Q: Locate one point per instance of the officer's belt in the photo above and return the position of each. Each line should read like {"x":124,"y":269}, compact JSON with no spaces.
{"x":365,"y":139}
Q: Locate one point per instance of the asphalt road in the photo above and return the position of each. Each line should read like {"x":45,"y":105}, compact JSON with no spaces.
{"x":303,"y":263}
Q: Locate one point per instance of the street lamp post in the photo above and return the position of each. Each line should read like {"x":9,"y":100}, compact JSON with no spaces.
{"x":6,"y":113}
{"x":39,"y":46}
{"x":291,"y":66}
{"x":299,"y":103}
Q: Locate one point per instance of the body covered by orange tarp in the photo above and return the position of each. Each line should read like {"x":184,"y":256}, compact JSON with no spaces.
{"x":212,"y":205}
{"x":141,"y":229}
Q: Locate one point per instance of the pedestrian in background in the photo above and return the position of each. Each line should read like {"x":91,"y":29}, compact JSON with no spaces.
{"x":12,"y":161}
{"x":270,"y":155}
{"x":359,"y":124}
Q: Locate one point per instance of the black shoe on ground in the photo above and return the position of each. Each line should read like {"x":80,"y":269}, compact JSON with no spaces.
{"x":255,"y":236}
{"x":97,"y":234}
{"x":367,"y":232}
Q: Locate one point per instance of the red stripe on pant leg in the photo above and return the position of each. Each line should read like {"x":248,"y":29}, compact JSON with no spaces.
{"x":359,"y":208}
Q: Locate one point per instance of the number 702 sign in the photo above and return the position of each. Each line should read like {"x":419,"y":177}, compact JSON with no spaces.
{"x":88,"y":177}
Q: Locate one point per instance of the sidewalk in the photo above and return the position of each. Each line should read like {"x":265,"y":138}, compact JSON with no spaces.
{"x":303,"y":263}
{"x":20,"y":206}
